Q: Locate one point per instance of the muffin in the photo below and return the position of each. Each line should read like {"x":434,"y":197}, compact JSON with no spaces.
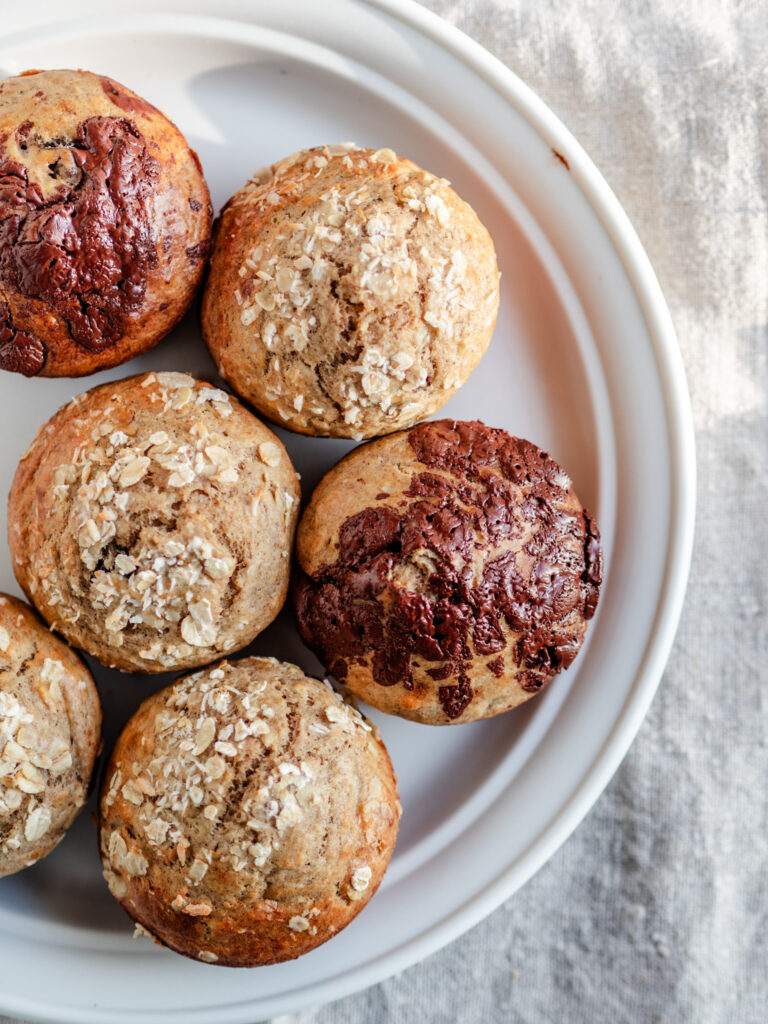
{"x":448,"y":572}
{"x":50,"y":729}
{"x":350,"y":292}
{"x":151,"y":523}
{"x":105,"y":223}
{"x":247,"y":814}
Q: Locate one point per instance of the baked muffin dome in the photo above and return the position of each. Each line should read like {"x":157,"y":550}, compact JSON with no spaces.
{"x":247,"y":814}
{"x":350,"y":292}
{"x":50,"y":730}
{"x":105,"y":223}
{"x":448,"y":572}
{"x":151,"y":523}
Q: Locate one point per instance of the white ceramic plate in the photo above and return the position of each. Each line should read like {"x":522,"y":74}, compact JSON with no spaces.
{"x":584,"y":362}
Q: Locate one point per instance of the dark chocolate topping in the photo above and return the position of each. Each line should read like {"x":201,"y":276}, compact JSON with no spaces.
{"x":482,"y":493}
{"x":87,"y":250}
{"x":127,"y":101}
{"x":497,"y":666}
{"x":199,"y":251}
{"x":19,"y":352}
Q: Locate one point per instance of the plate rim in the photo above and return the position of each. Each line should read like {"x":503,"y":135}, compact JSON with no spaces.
{"x":677,"y":409}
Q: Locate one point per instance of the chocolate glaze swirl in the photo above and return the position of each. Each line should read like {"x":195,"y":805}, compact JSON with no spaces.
{"x":482,"y":499}
{"x":19,"y":352}
{"x":85,"y":251}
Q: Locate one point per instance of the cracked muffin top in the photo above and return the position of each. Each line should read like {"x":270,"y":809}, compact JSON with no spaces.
{"x":350,"y":292}
{"x":50,"y":729}
{"x":151,"y":523}
{"x":105,"y":223}
{"x":449,"y":572}
{"x":247,"y":814}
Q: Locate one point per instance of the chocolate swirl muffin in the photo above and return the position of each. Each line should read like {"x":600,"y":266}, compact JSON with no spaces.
{"x":50,"y":730}
{"x":105,"y":223}
{"x":151,"y":522}
{"x":449,"y":572}
{"x":247,"y":814}
{"x":350,"y":293}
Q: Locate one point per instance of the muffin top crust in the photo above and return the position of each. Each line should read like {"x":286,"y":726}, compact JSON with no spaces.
{"x":50,"y":729}
{"x":247,"y":814}
{"x":448,"y":571}
{"x":105,"y":223}
{"x":350,"y":292}
{"x":152,"y":522}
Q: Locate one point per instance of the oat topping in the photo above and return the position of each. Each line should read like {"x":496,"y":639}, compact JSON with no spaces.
{"x":31,"y":756}
{"x":155,"y":582}
{"x":362,"y":250}
{"x":150,"y":556}
{"x":195,"y":766}
{"x":37,"y":824}
{"x":227,"y":787}
{"x":361,"y":878}
{"x":44,"y":772}
{"x":269,"y":453}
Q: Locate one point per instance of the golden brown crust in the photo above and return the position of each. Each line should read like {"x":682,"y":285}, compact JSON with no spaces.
{"x":448,"y":572}
{"x":50,"y":730}
{"x":247,"y":814}
{"x":152,"y":520}
{"x":105,"y":222}
{"x":350,"y":292}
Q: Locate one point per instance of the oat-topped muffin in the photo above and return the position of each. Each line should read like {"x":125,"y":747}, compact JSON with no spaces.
{"x":449,"y":572}
{"x":105,"y":222}
{"x":350,"y":293}
{"x":247,"y":814}
{"x":50,"y":729}
{"x":151,"y":523}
